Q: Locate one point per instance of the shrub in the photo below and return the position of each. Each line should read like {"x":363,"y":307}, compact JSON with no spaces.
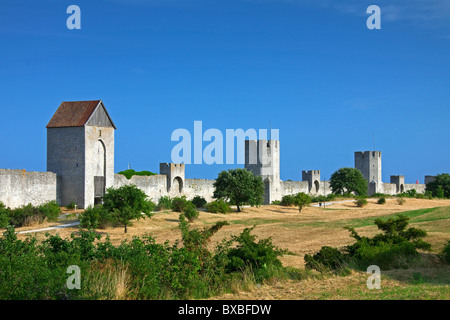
{"x":95,"y":217}
{"x":445,"y":253}
{"x":327,"y":259}
{"x":394,"y":248}
{"x":361,"y":202}
{"x":190,"y":212}
{"x":4,"y":217}
{"x":199,"y":202}
{"x":164,"y":203}
{"x":50,"y":210}
{"x":71,"y":205}
{"x":179,"y":204}
{"x":288,"y":200}
{"x":401,"y":201}
{"x":259,"y":256}
{"x":276,"y":202}
{"x":218,"y":206}
{"x":382,"y":200}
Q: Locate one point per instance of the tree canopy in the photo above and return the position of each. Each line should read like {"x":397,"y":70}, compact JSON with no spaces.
{"x":348,"y":180}
{"x":239,"y":186}
{"x":440,"y":187}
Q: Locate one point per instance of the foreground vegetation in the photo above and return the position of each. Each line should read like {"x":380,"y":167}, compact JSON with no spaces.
{"x":139,"y":269}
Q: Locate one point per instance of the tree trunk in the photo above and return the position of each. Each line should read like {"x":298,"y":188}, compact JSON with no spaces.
{"x":238,"y":208}
{"x":125,"y":228}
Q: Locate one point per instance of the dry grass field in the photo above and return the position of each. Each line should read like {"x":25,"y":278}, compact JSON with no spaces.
{"x":307,"y":232}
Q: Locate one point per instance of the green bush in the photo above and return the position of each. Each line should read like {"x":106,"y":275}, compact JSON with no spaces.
{"x":445,"y":253}
{"x":218,"y":206}
{"x":50,"y":210}
{"x":190,"y":212}
{"x":322,"y":198}
{"x":327,"y":259}
{"x":130,"y":173}
{"x":199,"y":202}
{"x":4,"y":216}
{"x":71,"y":205}
{"x":259,"y":256}
{"x":164,"y":203}
{"x":179,"y":204}
{"x":382,"y":200}
{"x":276,"y":202}
{"x":396,"y":247}
{"x":361,"y":202}
{"x":29,"y":214}
{"x":288,"y":200}
{"x":95,"y":217}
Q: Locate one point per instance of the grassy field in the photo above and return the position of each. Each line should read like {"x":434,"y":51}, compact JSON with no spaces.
{"x":307,"y":232}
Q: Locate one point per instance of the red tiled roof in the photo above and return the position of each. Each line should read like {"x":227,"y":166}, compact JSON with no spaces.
{"x":73,"y":114}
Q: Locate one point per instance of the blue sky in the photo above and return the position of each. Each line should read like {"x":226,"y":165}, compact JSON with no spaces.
{"x":312,"y":68}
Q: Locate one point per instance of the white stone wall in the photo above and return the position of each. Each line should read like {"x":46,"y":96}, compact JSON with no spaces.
{"x":19,"y":187}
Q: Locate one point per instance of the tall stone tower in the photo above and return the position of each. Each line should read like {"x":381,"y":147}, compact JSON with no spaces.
{"x":80,"y":150}
{"x":262,"y":158}
{"x":369,"y":163}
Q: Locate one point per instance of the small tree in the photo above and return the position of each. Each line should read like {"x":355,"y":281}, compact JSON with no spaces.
{"x":347,"y":180}
{"x":301,"y":199}
{"x":239,"y":186}
{"x":127,"y":203}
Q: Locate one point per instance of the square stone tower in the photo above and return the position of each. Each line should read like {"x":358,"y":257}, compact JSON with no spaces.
{"x":262,"y":158}
{"x":80,"y":150}
{"x":313,"y":178}
{"x":369,"y":163}
{"x":175,"y":173}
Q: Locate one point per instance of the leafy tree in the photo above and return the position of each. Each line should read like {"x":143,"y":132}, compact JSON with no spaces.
{"x":440,"y":187}
{"x":347,"y":180}
{"x":127,"y":203}
{"x":301,"y":199}
{"x":239,"y":186}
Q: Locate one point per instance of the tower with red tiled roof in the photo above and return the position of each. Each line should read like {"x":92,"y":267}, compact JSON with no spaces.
{"x":80,"y":150}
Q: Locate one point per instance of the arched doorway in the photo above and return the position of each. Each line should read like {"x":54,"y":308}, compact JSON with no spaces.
{"x":316,"y":186}
{"x":99,"y":172}
{"x":402,"y":188}
{"x":177,"y":184}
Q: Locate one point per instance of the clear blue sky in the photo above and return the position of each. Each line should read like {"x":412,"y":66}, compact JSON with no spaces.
{"x":311,"y":67}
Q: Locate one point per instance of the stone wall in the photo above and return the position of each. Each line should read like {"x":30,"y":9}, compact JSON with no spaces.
{"x":156,"y":186}
{"x":419,"y":187}
{"x":19,"y":187}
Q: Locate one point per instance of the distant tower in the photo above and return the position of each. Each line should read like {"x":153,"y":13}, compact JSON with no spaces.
{"x":262,"y":158}
{"x":175,"y":173}
{"x":369,"y":163}
{"x":399,"y":182}
{"x":80,"y":150}
{"x":313,"y":178}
